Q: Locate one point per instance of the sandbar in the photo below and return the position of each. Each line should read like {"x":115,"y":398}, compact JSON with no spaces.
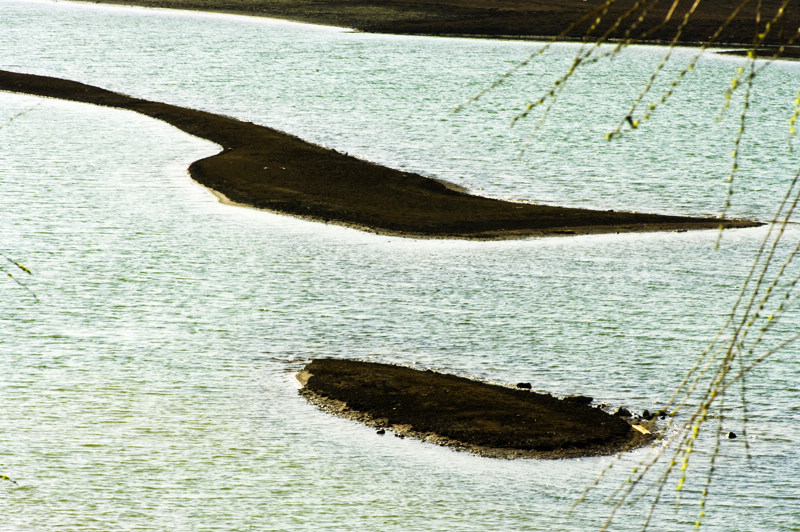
{"x":268,"y":169}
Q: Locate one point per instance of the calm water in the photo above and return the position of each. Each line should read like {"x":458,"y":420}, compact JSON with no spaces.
{"x":151,"y":386}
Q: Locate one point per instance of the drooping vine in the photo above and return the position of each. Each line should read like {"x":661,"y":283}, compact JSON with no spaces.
{"x":767,"y":291}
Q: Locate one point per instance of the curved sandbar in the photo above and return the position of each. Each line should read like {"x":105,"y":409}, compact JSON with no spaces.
{"x":482,"y":418}
{"x":268,"y":169}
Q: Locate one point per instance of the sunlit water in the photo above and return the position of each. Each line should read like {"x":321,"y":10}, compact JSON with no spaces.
{"x":151,"y":386}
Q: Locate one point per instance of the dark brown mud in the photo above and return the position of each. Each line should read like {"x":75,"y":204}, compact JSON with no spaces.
{"x":465,"y":414}
{"x":268,"y":169}
{"x":540,"y":19}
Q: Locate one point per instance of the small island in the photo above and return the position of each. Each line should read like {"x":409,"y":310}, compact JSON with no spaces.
{"x":468,"y":415}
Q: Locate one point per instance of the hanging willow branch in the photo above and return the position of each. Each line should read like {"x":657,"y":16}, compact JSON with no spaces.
{"x":17,"y":265}
{"x":768,"y":290}
{"x":10,"y":274}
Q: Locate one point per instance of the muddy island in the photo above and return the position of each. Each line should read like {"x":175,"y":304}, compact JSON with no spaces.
{"x":468,"y":415}
{"x":267,"y":169}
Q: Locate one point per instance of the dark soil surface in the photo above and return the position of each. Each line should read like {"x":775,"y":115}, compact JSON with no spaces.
{"x":791,"y":53}
{"x":516,"y":18}
{"x":465,"y":414}
{"x":268,"y":169}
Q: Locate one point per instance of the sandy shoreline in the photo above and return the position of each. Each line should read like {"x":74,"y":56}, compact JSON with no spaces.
{"x":267,"y":169}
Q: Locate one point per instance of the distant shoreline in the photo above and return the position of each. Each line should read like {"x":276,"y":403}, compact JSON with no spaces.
{"x":568,"y":20}
{"x":267,"y":169}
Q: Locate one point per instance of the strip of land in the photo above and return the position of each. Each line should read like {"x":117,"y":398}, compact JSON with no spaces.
{"x":268,"y":169}
{"x":575,"y":20}
{"x":485,"y":419}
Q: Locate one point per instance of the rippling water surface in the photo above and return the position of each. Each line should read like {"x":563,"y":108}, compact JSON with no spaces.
{"x":151,"y":386}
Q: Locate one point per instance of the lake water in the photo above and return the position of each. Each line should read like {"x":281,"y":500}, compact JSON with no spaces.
{"x":151,"y":386}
